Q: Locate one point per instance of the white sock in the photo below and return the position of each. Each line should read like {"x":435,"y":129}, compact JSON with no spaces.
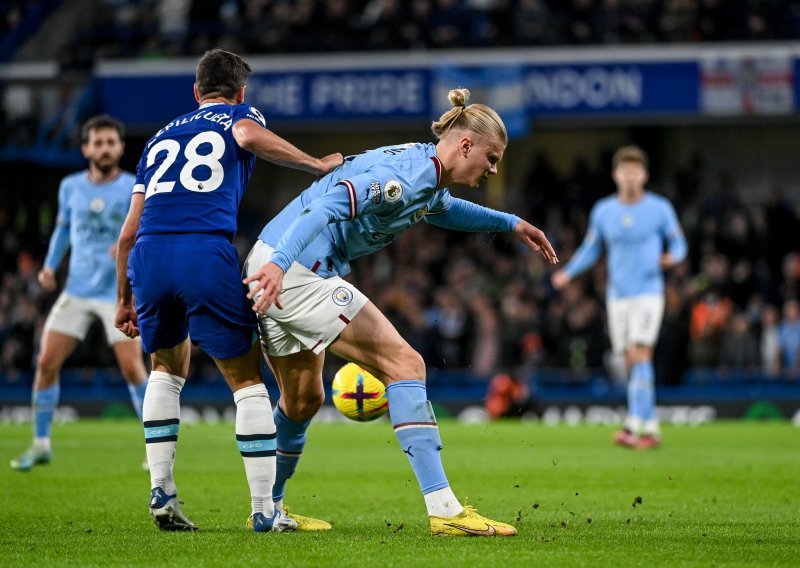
{"x":161,"y":413}
{"x":255,"y":435}
{"x":41,"y":444}
{"x":442,"y":503}
{"x":651,"y":428}
{"x":633,"y":424}
{"x":278,"y":505}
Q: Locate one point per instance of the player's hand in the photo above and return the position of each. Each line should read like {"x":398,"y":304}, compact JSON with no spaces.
{"x":560,"y":279}
{"x":265,"y":286}
{"x":127,"y":321}
{"x":330,"y":163}
{"x":535,"y":240}
{"x":667,"y":261}
{"x":47,"y":279}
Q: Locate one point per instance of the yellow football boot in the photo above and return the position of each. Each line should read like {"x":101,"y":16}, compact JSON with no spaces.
{"x":306,"y":524}
{"x":469,"y":523}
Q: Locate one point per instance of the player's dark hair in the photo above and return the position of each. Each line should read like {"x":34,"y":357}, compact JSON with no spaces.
{"x":472,"y":118}
{"x":629,"y":154}
{"x":101,"y":121}
{"x":221,"y":73}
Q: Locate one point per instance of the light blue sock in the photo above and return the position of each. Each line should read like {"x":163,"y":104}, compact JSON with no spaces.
{"x":641,"y":391}
{"x":291,"y":441}
{"x":416,"y":429}
{"x":44,"y":406}
{"x":137,"y":396}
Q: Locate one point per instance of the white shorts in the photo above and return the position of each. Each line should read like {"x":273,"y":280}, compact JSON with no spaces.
{"x":73,"y":316}
{"x":315,"y":309}
{"x":634,"y":321}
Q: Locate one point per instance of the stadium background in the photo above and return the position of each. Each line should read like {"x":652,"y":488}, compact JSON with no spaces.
{"x":711,"y":92}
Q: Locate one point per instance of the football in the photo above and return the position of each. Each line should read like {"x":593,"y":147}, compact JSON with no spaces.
{"x":358,"y":395}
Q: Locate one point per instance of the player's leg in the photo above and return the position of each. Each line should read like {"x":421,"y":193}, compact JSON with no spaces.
{"x":164,"y":335}
{"x":55,"y":349}
{"x":647,"y":313}
{"x":642,"y":383}
{"x":255,"y":436}
{"x":299,"y":376}
{"x":619,"y":325}
{"x":372,"y":342}
{"x":161,"y":418}
{"x":128,"y":353}
{"x":131,"y":365}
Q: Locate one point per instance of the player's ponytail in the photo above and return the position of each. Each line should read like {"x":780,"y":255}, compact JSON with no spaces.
{"x":477,"y":118}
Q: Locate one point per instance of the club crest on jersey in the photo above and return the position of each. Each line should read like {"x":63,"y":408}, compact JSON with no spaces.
{"x":627,"y":220}
{"x":97,"y":205}
{"x":257,"y":114}
{"x":375,"y":192}
{"x":392,"y":191}
{"x":342,"y":296}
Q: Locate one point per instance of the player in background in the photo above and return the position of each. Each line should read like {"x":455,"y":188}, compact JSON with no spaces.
{"x":295,"y":274}
{"x":91,"y":208}
{"x":176,"y":258}
{"x":633,"y":226}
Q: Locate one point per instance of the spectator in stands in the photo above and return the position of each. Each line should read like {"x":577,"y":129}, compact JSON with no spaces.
{"x":770,"y":342}
{"x":709,"y":317}
{"x":740,"y":348}
{"x":508,"y":395}
{"x":789,"y":338}
{"x":452,"y":327}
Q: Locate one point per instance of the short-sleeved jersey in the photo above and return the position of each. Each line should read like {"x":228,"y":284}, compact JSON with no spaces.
{"x":384,"y":192}
{"x":634,"y":236}
{"x":93,"y":215}
{"x":193,"y":173}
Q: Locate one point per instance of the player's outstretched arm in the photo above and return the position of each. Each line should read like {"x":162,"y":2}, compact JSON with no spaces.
{"x":126,"y":320}
{"x":269,"y":146}
{"x":535,"y":240}
{"x":462,"y":215}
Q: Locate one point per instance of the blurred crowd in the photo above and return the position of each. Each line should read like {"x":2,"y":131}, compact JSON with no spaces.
{"x":485,"y":303}
{"x":170,"y":28}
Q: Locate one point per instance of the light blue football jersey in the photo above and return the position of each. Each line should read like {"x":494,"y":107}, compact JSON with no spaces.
{"x":90,"y":217}
{"x":193,"y":173}
{"x":634,"y":236}
{"x":358,"y":209}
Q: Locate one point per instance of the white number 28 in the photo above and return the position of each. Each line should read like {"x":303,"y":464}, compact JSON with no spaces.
{"x":193,"y":160}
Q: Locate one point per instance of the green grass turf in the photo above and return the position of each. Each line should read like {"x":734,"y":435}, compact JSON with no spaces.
{"x":721,"y":494}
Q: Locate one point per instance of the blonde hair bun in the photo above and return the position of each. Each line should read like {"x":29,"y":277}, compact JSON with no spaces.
{"x":458,"y":97}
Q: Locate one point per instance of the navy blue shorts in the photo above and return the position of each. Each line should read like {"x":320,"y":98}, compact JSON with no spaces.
{"x":191,"y":285}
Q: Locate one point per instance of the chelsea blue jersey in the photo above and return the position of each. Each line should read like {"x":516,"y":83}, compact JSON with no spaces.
{"x":358,"y":208}
{"x":193,"y":173}
{"x":90,"y":216}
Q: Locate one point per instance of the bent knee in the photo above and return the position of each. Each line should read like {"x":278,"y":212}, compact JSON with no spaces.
{"x":134,"y":372}
{"x":410,"y":366}
{"x":303,"y":408}
{"x":47,"y":369}
{"x":639,"y":354}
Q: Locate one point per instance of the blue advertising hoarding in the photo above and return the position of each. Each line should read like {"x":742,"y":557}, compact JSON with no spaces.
{"x":523,"y":85}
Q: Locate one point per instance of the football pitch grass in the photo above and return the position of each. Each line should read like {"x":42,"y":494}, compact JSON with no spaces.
{"x":716,"y":495}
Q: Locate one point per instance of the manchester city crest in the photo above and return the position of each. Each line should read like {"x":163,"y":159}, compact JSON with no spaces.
{"x":97,"y":205}
{"x":342,"y":296}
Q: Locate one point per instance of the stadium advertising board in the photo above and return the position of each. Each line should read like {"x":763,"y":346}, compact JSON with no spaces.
{"x":521,"y":84}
